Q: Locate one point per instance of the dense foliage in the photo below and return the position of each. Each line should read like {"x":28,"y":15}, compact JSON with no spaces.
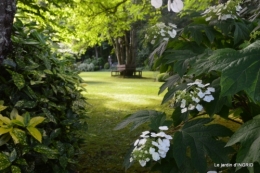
{"x":38,"y":84}
{"x":220,"y":48}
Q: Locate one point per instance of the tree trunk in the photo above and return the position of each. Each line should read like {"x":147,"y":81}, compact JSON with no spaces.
{"x":7,"y":12}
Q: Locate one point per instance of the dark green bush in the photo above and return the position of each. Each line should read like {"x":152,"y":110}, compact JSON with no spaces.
{"x":106,"y":66}
{"x":34,"y":80}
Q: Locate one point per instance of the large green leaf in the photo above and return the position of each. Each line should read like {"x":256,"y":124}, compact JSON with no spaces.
{"x":240,"y":69}
{"x":18,"y":79}
{"x":50,"y":153}
{"x":199,"y":139}
{"x":138,"y":119}
{"x":248,"y":135}
{"x":4,"y":161}
{"x":242,"y":32}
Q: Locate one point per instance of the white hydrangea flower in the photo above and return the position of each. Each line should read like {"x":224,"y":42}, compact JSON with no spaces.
{"x":208,"y":98}
{"x":153,"y":148}
{"x":229,"y":10}
{"x":163,"y":128}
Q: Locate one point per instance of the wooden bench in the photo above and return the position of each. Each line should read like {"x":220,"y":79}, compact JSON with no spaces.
{"x":126,"y":70}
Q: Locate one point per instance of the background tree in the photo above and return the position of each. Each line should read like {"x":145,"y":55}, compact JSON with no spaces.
{"x":7,"y":12}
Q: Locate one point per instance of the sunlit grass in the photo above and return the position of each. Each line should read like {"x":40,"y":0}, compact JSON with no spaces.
{"x":111,"y":99}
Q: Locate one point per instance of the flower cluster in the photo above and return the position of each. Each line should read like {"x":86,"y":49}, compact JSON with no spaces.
{"x":190,"y":98}
{"x":161,"y":30}
{"x":229,"y":10}
{"x":151,"y":146}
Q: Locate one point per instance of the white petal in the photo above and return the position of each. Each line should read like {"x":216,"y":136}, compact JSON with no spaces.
{"x":142,"y":162}
{"x":177,"y":6}
{"x":208,"y":98}
{"x":161,"y":134}
{"x":136,"y":142}
{"x":147,"y":159}
{"x":155,"y":144}
{"x":196,"y":99}
{"x":131,"y":159}
{"x":183,"y":110}
{"x":208,"y":18}
{"x":163,"y":128}
{"x":199,"y":107}
{"x":168,"y":137}
{"x":153,"y":41}
{"x":169,"y":5}
{"x":201,"y":94}
{"x":156,"y":3}
{"x":153,"y":134}
{"x":142,"y":141}
{"x":191,"y":107}
{"x":151,"y":150}
{"x":211,"y":89}
{"x":156,"y":156}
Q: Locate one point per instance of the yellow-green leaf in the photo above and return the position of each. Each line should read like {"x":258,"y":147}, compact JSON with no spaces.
{"x":19,"y":136}
{"x":2,"y":107}
{"x":35,"y":121}
{"x":35,"y":133}
{"x":5,"y":120}
{"x":5,"y":130}
{"x":18,"y":122}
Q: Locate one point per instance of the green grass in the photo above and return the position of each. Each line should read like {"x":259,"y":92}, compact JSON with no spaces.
{"x":111,"y":99}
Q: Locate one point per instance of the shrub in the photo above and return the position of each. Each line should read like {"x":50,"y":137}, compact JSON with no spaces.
{"x":35,"y":83}
{"x":162,"y":77}
{"x":106,"y":66}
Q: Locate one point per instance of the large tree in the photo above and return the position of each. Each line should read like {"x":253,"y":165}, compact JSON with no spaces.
{"x":7,"y":12}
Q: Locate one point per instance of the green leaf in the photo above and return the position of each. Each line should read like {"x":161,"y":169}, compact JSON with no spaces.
{"x":248,"y":135}
{"x":18,"y":136}
{"x":170,"y":82}
{"x":241,"y":32}
{"x":55,"y":133}
{"x":14,"y":113}
{"x":18,"y":79}
{"x":49,"y":115}
{"x":4,"y":130}
{"x":199,"y":139}
{"x":138,"y":119}
{"x":15,"y":169}
{"x":35,"y":133}
{"x":2,"y":107}
{"x":13,"y":156}
{"x":63,"y":161}
{"x":50,"y":153}
{"x":4,"y":139}
{"x":26,"y":118}
{"x":4,"y":161}
{"x":169,"y":95}
{"x":240,"y":70}
{"x":5,"y":120}
{"x":25,"y":104}
{"x":159,"y":120}
{"x":35,"y":121}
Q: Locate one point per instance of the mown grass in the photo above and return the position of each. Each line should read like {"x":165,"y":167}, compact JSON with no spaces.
{"x":111,"y":99}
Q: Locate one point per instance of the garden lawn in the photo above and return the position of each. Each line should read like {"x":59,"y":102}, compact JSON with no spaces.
{"x":111,"y":99}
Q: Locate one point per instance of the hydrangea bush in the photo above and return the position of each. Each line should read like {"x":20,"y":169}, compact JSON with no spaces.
{"x":214,"y":62}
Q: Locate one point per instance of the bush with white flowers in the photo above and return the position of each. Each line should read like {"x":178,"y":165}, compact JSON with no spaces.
{"x":161,"y":30}
{"x":151,"y":146}
{"x":229,"y":10}
{"x":191,"y":97}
